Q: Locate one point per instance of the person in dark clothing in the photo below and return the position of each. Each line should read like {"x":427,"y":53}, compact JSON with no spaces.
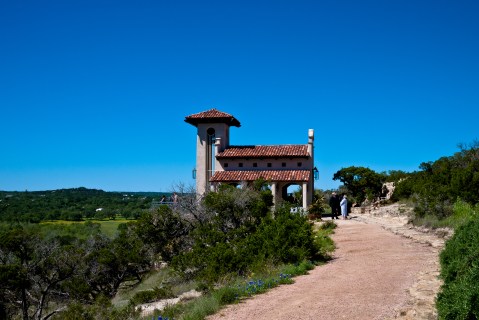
{"x":334,"y":204}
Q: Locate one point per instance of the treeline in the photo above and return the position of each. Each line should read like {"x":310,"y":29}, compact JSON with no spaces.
{"x":72,"y":204}
{"x":52,"y":272}
{"x":434,"y":188}
{"x":439,"y":184}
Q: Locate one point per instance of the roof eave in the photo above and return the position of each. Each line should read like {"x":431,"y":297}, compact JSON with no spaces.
{"x":233,"y":122}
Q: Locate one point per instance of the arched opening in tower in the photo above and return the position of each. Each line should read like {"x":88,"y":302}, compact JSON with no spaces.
{"x":210,"y":153}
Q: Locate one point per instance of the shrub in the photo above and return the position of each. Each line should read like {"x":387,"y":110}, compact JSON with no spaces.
{"x":288,"y":238}
{"x":216,"y":254}
{"x":297,"y":269}
{"x":462,"y":212}
{"x":323,"y":241}
{"x":100,"y":310}
{"x":143,"y":297}
{"x":459,"y":296}
{"x":431,"y":204}
{"x":157,"y":293}
{"x":328,"y":225}
{"x":317,"y":208}
{"x":227,"y":295}
{"x":202,"y":307}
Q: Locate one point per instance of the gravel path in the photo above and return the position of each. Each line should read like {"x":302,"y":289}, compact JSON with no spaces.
{"x":381,"y":270}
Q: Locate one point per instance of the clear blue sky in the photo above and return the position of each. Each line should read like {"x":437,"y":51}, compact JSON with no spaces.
{"x":94,"y":93}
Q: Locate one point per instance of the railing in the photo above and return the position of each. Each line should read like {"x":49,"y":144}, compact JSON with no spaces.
{"x":299,"y":210}
{"x":156,"y":204}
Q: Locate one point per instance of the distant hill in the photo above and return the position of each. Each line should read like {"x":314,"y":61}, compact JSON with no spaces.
{"x":71,"y":204}
{"x":147,"y":193}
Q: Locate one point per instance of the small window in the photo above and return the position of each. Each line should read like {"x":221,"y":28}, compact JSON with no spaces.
{"x":240,"y":164}
{"x":255,"y":164}
{"x":225,"y":165}
{"x":283,"y":164}
{"x":269,"y":164}
{"x":300,"y":164}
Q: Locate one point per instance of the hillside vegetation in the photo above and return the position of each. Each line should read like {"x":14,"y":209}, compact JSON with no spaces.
{"x":439,"y":184}
{"x":59,"y":271}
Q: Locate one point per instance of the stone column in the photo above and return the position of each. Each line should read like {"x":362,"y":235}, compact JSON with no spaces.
{"x":274,"y":191}
{"x":306,"y":193}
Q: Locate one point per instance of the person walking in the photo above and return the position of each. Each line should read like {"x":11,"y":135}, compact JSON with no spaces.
{"x":344,"y":207}
{"x":334,"y":204}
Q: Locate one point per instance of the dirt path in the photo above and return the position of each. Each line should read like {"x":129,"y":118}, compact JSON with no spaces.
{"x":381,"y":270}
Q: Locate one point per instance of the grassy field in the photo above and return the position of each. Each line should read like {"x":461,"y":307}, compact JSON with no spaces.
{"x":108,"y":227}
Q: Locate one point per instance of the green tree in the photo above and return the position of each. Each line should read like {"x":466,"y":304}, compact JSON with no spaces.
{"x":437,"y":185}
{"x":109,"y":263}
{"x":37,"y":267}
{"x":394,"y":175}
{"x":361,"y":182}
{"x":232,"y":208}
{"x":242,"y":234}
{"x":41,"y":271}
{"x":163,"y":230}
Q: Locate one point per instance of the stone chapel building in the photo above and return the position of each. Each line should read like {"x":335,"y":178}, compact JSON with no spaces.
{"x":219,"y":162}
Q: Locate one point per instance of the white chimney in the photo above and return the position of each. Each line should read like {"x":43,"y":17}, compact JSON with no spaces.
{"x":310,"y":141}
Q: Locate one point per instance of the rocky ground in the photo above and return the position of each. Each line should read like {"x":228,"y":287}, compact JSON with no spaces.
{"x":422,"y":293}
{"x":149,"y":308}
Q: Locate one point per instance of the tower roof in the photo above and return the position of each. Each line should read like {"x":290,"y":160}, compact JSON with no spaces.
{"x":212,"y":116}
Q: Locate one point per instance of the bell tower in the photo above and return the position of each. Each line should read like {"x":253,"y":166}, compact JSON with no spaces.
{"x":212,"y":136}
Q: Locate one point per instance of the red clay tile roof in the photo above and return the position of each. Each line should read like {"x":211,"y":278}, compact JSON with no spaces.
{"x":264,"y":151}
{"x":211,"y":116}
{"x":273,"y":175}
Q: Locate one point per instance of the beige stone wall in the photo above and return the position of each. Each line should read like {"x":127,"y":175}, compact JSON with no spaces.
{"x":277,"y":164}
{"x":206,"y":162}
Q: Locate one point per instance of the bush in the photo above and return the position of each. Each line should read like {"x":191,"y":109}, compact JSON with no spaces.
{"x":100,"y":310}
{"x":152,"y":295}
{"x":459,"y":296}
{"x":435,"y":205}
{"x":324,"y":243}
{"x":462,"y":212}
{"x":328,"y":225}
{"x":227,"y":295}
{"x":144,"y":297}
{"x":216,"y":254}
{"x":317,"y":208}
{"x":288,"y":238}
